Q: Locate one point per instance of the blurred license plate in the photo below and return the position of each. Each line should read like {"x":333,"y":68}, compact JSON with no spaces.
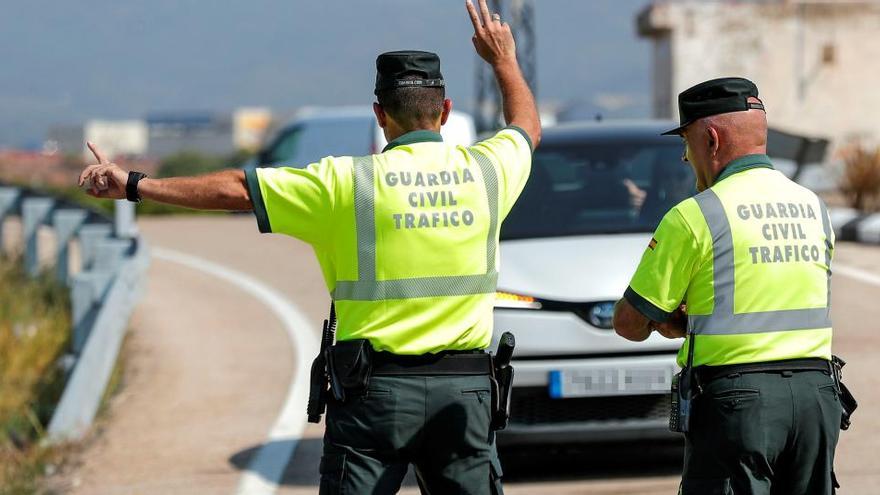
{"x":593,"y":382}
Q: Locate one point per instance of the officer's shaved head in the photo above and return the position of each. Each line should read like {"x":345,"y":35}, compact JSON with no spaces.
{"x":413,"y":107}
{"x":715,"y":141}
{"x":740,"y":129}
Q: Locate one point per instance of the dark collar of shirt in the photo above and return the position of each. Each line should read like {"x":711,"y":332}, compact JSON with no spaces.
{"x":744,"y":163}
{"x":420,"y":136}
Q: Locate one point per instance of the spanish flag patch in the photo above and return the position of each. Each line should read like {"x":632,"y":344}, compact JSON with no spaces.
{"x":652,"y":244}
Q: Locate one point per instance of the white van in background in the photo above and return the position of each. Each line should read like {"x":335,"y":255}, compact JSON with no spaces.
{"x":317,"y":132}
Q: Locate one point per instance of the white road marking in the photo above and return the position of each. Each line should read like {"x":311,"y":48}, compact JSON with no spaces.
{"x":856,"y":273}
{"x":266,"y":468}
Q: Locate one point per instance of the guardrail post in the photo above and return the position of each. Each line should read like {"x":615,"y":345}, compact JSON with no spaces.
{"x":66,"y":222}
{"x":89,"y":235}
{"x":140,"y":264}
{"x":86,"y":291}
{"x":89,"y":287}
{"x":110,"y":253}
{"x":34,"y":212}
{"x":123,"y":219}
{"x":9,"y":197}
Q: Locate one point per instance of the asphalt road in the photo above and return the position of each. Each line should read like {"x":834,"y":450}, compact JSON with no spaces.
{"x":211,"y":366}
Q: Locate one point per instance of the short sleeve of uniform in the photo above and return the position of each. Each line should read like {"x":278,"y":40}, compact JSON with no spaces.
{"x":510,"y":152}
{"x":292,"y":201}
{"x":665,"y":271}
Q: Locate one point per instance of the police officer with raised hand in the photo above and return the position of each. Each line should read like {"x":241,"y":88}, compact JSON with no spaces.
{"x":743,"y":271}
{"x":407,"y":240}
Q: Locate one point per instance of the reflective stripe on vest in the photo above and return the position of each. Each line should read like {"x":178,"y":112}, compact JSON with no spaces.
{"x":367,"y":288}
{"x":723,"y":321}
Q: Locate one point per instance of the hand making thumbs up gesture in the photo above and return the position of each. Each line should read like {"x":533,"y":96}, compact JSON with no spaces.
{"x":103,"y":179}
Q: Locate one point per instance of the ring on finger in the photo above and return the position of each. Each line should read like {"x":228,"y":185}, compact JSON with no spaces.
{"x":496,"y":17}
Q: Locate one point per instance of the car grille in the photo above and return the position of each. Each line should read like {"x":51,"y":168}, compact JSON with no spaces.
{"x":533,"y":406}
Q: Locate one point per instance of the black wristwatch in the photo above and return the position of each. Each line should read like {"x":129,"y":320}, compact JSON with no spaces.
{"x":131,"y":187}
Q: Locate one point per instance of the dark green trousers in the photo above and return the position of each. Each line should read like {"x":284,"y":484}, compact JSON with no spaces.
{"x":439,"y":424}
{"x":763,"y":434}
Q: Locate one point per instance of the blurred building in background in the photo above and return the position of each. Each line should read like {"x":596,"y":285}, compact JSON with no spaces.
{"x":204,"y":132}
{"x":207,"y":132}
{"x":163,"y":134}
{"x":117,"y":137}
{"x":816,"y":63}
{"x":250,"y":126}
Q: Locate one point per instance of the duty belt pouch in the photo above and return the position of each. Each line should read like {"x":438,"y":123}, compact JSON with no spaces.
{"x":847,"y":401}
{"x":681,"y":394}
{"x":349,"y":364}
{"x":680,"y":401}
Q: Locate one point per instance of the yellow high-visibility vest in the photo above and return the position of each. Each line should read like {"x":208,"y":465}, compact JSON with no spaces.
{"x":751,"y":258}
{"x":407,"y":239}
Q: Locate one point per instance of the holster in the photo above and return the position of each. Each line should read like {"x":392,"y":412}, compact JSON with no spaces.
{"x":502,"y":381}
{"x":847,"y":401}
{"x":319,"y":381}
{"x":317,"y":390}
{"x":349,"y":364}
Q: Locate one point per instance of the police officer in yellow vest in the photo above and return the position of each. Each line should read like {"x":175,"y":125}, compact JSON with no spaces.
{"x":742,"y":270}
{"x":407,"y":240}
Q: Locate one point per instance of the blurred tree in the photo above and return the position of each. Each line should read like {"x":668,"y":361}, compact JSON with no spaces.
{"x":238,"y":158}
{"x":861,"y":177}
{"x":195,"y":163}
{"x":189,"y":163}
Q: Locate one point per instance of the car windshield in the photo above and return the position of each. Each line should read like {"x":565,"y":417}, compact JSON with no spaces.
{"x":584,"y":188}
{"x":308,"y":142}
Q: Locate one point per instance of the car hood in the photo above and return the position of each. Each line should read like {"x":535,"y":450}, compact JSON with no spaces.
{"x":573,"y":269}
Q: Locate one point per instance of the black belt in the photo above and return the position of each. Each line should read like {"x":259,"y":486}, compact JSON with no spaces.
{"x":443,"y":363}
{"x":706,"y":374}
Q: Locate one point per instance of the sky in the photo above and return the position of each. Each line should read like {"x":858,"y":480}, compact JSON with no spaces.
{"x":65,"y":62}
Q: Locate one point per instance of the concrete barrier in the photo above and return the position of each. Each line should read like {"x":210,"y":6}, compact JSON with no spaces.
{"x":103,"y":293}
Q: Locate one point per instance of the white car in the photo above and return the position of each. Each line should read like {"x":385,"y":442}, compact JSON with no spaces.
{"x":569,"y":248}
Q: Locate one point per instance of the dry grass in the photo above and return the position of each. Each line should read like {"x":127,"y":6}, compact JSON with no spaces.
{"x":34,"y":331}
{"x":861,"y":178}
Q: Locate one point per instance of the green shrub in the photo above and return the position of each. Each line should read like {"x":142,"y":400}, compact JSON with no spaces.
{"x":34,"y":333}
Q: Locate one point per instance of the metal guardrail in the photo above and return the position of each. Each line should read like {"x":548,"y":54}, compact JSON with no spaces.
{"x":103,"y":292}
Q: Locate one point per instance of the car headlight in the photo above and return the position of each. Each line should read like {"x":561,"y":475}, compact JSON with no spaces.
{"x":601,"y":314}
{"x":515,"y":301}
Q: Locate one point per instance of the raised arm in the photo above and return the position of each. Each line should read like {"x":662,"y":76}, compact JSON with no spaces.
{"x":495,"y":44}
{"x":223,"y":190}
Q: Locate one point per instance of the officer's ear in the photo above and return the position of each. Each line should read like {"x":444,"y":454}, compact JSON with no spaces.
{"x":714,"y":142}
{"x":447,"y":109}
{"x":381,"y":118}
